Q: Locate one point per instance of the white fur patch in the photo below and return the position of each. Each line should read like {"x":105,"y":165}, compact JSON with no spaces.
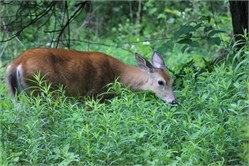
{"x":19,"y":75}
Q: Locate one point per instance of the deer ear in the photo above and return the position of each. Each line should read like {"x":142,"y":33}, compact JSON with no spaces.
{"x":143,"y":63}
{"x":157,"y":61}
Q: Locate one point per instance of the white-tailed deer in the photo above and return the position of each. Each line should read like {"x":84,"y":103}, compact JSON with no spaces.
{"x":88,"y":73}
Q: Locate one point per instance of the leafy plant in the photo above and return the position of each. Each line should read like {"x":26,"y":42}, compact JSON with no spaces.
{"x":208,"y":127}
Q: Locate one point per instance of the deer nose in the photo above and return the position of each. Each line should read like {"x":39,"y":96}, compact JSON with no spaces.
{"x":174,"y":102}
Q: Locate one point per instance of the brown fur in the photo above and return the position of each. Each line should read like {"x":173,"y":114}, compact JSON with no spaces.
{"x":81,"y":73}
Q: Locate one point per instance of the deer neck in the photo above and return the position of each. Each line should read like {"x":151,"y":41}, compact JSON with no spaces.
{"x":134,"y":77}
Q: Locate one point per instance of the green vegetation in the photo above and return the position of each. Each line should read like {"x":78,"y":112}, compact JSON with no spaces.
{"x":208,"y":127}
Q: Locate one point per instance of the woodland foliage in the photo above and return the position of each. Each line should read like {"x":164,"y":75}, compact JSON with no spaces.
{"x":208,"y":127}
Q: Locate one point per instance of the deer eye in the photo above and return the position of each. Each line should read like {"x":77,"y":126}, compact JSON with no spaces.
{"x":161,"y":83}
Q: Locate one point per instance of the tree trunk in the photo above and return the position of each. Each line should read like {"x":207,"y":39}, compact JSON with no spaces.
{"x":239,"y":12}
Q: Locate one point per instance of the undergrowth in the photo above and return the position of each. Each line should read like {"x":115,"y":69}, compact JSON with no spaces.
{"x":208,"y":127}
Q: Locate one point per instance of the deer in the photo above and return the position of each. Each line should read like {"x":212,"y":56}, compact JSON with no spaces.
{"x":88,"y":73}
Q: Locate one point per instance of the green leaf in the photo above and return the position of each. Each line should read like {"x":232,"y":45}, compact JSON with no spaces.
{"x":185,"y":29}
{"x":66,"y":148}
{"x":213,"y":32}
{"x":152,"y":11}
{"x":198,"y":25}
{"x":185,"y":41}
{"x":214,"y":40}
{"x":57,"y":150}
{"x":16,"y":159}
{"x":161,"y":16}
{"x":173,"y":12}
{"x":184,"y":48}
{"x":208,"y":28}
{"x":168,"y":46}
{"x":205,"y":18}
